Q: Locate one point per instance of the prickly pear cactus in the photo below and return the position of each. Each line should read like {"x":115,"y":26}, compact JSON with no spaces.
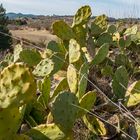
{"x":133,"y":94}
{"x":59,"y":60}
{"x":63,"y":111}
{"x":95,"y":125}
{"x":86,"y":102}
{"x":82,"y":16}
{"x":104,"y":38}
{"x":101,"y":54}
{"x":81,"y":34}
{"x":46,"y":132}
{"x":131,"y":31}
{"x":9,"y":122}
{"x":17,"y":86}
{"x":74,"y":51}
{"x":63,"y":85}
{"x":45,"y":90}
{"x":72,"y":78}
{"x":120,"y":82}
{"x":112,"y":29}
{"x":63,"y":30}
{"x":99,"y":25}
{"x":30,"y":57}
{"x":82,"y":80}
{"x":44,"y":68}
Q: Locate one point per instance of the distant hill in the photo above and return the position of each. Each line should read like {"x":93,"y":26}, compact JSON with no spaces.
{"x":19,"y":15}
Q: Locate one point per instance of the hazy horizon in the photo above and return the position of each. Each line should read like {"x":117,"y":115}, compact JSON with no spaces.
{"x":115,"y":8}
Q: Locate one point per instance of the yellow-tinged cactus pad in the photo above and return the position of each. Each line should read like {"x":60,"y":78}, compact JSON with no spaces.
{"x":74,"y":51}
{"x":95,"y":125}
{"x":86,"y":102}
{"x":46,"y":132}
{"x":9,"y":123}
{"x":133,"y":94}
{"x":72,"y":78}
{"x":17,"y":86}
{"x":82,"y":16}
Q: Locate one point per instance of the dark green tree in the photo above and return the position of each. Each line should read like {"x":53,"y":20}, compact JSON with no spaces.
{"x":5,"y":39}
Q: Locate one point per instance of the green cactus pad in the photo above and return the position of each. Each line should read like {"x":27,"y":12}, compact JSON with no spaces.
{"x":133,"y":94}
{"x":104,"y":38}
{"x":95,"y":125}
{"x":17,"y":87}
{"x":74,"y":51}
{"x":30,"y":57}
{"x":111,"y":29}
{"x":59,"y":60}
{"x":17,"y":49}
{"x":46,"y":88}
{"x":63,"y":111}
{"x":46,"y":132}
{"x":63,"y":85}
{"x":120,"y":82}
{"x":101,"y":54}
{"x":86,"y":102}
{"x":82,"y":84}
{"x":81,"y":34}
{"x":82,"y":16}
{"x":72,"y":78}
{"x":53,"y":46}
{"x":44,"y":68}
{"x":9,"y":122}
{"x":63,"y":30}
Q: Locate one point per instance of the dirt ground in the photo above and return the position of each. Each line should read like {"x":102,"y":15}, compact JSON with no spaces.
{"x":34,"y":35}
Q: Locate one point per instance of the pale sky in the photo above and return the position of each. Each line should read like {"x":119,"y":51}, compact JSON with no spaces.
{"x":112,"y":8}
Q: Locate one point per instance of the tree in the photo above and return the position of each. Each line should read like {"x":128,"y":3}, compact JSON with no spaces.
{"x":5,"y":39}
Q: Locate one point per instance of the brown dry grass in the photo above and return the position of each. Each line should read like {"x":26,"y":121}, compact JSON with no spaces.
{"x":34,"y":35}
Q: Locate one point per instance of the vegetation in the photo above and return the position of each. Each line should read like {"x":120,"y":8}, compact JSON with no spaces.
{"x":85,"y":53}
{"x":5,"y":41}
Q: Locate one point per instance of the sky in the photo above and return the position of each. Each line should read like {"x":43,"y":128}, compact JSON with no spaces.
{"x":112,"y":8}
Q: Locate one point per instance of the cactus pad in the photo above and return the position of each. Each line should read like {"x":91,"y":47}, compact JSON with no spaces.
{"x":72,"y":78}
{"x":120,"y":82}
{"x":101,"y":54}
{"x":82,"y":80}
{"x":17,"y":86}
{"x":44,"y":68}
{"x":30,"y":57}
{"x":133,"y":94}
{"x":82,"y":16}
{"x":9,"y":122}
{"x":63,"y":111}
{"x":46,"y":132}
{"x":63,"y":30}
{"x":95,"y":125}
{"x":74,"y":51}
{"x":86,"y":102}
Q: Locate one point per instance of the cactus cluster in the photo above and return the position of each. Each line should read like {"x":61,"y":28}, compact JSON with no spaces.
{"x":88,"y":50}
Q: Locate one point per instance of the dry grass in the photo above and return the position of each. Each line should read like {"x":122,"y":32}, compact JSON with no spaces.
{"x":34,"y":35}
